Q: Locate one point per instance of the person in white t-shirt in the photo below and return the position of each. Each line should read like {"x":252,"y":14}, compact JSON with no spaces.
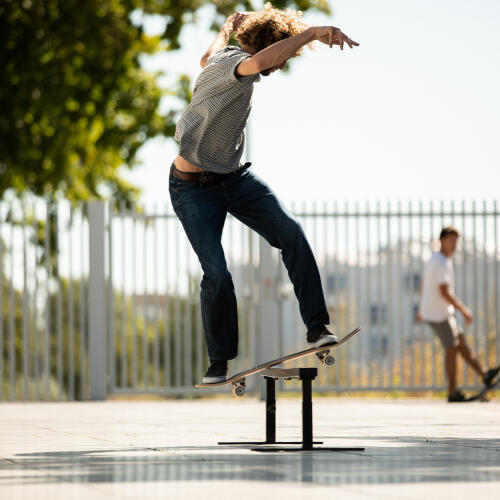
{"x":437,"y":308}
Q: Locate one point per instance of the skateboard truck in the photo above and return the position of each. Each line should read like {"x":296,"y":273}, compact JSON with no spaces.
{"x":325,"y":357}
{"x":239,"y":387}
{"x":306,"y":376}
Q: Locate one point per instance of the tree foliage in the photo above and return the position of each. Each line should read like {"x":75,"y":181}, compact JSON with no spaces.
{"x":76,"y":103}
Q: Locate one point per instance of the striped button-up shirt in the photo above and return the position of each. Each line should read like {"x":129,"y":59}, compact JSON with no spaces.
{"x":210,"y":131}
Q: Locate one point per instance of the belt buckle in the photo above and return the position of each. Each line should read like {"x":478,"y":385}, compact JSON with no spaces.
{"x":202,"y":177}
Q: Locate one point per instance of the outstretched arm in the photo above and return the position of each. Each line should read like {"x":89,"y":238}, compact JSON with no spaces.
{"x":279,"y":52}
{"x":222,"y":38}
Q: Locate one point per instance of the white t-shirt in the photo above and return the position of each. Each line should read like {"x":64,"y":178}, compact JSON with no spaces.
{"x":438,"y":270}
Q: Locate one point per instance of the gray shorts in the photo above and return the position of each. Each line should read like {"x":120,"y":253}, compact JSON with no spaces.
{"x":447,"y":331}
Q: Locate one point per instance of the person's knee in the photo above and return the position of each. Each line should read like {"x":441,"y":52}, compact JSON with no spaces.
{"x":290,"y":233}
{"x":215,"y":274}
{"x":462,"y":345}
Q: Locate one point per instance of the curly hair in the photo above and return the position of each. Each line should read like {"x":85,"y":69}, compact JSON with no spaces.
{"x":270,"y":25}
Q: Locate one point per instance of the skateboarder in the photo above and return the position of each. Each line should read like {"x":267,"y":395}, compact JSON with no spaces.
{"x":207,"y":180}
{"x":437,"y":308}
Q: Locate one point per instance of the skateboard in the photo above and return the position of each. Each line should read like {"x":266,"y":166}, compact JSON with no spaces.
{"x":323,"y":354}
{"x":481,"y":395}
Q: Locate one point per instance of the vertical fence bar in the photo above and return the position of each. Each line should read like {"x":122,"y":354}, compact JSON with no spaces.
{"x":71,"y":350}
{"x":382,"y":356}
{"x":12,"y":353}
{"x":408,"y":338}
{"x":422,"y":337}
{"x":166,"y":340}
{"x":474,"y":281}
{"x":36,"y":356}
{"x":60,"y":382}
{"x":145,"y":346}
{"x":433,"y":343}
{"x":156,"y":349}
{"x":124,"y":364}
{"x":485,"y":271}
{"x":97,"y":309}
{"x":135,"y":354}
{"x":177,"y":344}
{"x":388,"y":296}
{"x":369,"y":295}
{"x":24,"y":323}
{"x":83,"y":294}
{"x":336,"y":266}
{"x":359,"y":351}
{"x":46,"y":364}
{"x":401,"y":281}
{"x":464,"y":279}
{"x":347,"y":289}
{"x":111,"y":300}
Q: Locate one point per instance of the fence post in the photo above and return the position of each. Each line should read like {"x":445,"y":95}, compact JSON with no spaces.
{"x":97,"y":305}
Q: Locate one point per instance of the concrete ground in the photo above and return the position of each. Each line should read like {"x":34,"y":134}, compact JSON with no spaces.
{"x":168,"y":450}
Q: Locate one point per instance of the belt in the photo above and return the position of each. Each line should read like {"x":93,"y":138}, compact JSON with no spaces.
{"x":202,"y":177}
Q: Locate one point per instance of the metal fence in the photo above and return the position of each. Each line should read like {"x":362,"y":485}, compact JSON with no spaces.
{"x":97,"y":301}
{"x":43,"y":301}
{"x":371,"y":259}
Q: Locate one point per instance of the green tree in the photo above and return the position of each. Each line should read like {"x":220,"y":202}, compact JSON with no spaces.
{"x":76,"y":103}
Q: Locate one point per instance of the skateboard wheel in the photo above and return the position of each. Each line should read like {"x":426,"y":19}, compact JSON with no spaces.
{"x":238,"y":390}
{"x":328,"y":360}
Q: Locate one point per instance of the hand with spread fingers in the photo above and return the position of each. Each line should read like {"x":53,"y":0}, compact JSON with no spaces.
{"x":330,"y":35}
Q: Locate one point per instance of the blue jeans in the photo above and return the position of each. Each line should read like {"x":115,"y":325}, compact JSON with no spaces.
{"x":202,"y":210}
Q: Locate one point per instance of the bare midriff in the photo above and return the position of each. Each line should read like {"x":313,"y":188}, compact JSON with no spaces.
{"x":185,"y":166}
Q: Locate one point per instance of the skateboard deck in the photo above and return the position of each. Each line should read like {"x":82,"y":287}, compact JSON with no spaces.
{"x":323,"y":353}
{"x":481,"y":395}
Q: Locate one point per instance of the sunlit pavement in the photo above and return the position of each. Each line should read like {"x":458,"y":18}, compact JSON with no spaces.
{"x":414,"y":449}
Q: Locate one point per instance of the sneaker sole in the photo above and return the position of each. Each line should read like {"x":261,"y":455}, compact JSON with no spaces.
{"x":326,"y":343}
{"x":213,"y":380}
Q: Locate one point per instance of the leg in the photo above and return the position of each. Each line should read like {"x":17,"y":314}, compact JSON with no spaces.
{"x":253,"y":203}
{"x":202,"y":212}
{"x":466,"y":353}
{"x":447,"y":332}
{"x":451,"y":369}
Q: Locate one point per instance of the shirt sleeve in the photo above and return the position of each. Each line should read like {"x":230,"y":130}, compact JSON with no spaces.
{"x":223,"y":64}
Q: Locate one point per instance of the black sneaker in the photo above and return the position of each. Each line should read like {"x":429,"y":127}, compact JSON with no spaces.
{"x":490,"y":376}
{"x":318,"y":336}
{"x":216,"y":372}
{"x":458,"y":397}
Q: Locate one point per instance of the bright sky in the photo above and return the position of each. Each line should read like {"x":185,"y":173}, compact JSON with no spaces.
{"x":413,"y":113}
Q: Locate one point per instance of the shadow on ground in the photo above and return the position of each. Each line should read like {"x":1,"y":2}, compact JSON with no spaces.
{"x":386,"y":460}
